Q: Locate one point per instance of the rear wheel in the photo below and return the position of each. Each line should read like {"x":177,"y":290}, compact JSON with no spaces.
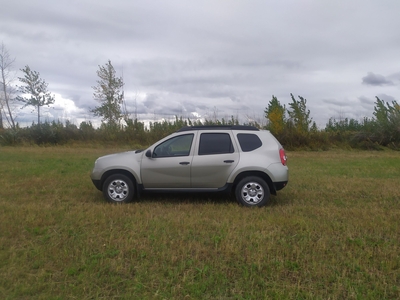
{"x":118,"y":188}
{"x":252,"y":191}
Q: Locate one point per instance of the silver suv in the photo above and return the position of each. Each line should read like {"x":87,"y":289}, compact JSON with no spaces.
{"x":243,"y":159}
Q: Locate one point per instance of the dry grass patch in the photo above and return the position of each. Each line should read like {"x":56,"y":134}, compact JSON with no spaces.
{"x":333,"y":233}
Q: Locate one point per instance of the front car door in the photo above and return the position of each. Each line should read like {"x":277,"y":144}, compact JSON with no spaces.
{"x":169,"y":166}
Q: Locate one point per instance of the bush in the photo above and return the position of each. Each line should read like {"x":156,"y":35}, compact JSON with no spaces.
{"x":9,"y":137}
{"x":366,"y":134}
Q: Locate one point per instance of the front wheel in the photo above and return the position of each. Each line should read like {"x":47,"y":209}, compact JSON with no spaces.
{"x":118,"y":188}
{"x":252,"y":191}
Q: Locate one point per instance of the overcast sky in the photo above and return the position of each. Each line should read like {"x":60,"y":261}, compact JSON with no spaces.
{"x":201,"y":58}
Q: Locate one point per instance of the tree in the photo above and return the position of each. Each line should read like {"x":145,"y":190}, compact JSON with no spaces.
{"x":299,"y":115}
{"x":7,"y":90}
{"x":36,"y":88}
{"x":109,"y":92}
{"x":275,"y":113}
{"x":387,"y":121}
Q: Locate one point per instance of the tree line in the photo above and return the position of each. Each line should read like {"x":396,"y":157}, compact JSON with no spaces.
{"x":292,"y":125}
{"x":295,"y":128}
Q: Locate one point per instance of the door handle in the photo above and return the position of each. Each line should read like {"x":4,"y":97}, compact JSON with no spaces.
{"x":228,"y":161}
{"x":184,"y":163}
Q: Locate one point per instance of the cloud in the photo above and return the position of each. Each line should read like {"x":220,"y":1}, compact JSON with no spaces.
{"x":366,"y":100}
{"x":395,"y":76}
{"x":179,"y":56}
{"x":376,"y":80}
{"x":386,"y":98}
{"x":340,"y":103}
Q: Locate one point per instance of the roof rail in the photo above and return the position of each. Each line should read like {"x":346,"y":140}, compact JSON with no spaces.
{"x":218,"y":127}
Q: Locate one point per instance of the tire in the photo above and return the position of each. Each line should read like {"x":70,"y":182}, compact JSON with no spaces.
{"x":118,"y":188}
{"x":252,"y":191}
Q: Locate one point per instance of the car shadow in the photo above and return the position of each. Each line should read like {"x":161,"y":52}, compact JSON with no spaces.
{"x":199,"y":198}
{"x":183,"y":198}
{"x":203,"y":198}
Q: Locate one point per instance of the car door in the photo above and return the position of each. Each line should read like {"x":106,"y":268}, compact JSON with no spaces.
{"x":169,"y":164}
{"x":214,"y":160}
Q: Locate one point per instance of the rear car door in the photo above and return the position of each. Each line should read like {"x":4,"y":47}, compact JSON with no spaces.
{"x":214,"y":159}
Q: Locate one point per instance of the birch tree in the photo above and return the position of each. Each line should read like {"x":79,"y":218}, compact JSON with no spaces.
{"x":109,"y":93}
{"x":34,"y":91}
{"x":6,"y":89}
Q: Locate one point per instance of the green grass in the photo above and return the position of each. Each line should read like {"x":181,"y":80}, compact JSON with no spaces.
{"x":332,"y":233}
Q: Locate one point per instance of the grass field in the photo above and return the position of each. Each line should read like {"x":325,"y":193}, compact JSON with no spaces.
{"x":332,"y":233}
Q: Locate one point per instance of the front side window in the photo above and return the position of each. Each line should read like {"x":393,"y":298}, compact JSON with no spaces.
{"x":176,"y":146}
{"x":215,"y":143}
{"x":249,"y":142}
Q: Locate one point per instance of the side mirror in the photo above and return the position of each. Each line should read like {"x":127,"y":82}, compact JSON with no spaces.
{"x":148,"y":153}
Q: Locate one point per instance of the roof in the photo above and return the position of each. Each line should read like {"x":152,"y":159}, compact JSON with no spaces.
{"x":219,"y":127}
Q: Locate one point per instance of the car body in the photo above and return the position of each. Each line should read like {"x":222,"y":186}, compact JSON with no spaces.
{"x":243,"y":159}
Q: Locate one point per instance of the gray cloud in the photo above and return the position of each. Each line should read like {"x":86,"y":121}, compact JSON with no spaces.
{"x":386,"y":98}
{"x":340,"y":103}
{"x":395,"y":76}
{"x":376,"y":79}
{"x":180,"y":56}
{"x":366,"y":101}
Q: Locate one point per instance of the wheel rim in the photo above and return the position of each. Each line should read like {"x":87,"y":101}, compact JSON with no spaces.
{"x":252,"y":193}
{"x":118,"y":190}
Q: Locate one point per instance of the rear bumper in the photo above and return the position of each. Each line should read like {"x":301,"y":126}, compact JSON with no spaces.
{"x":280,"y":185}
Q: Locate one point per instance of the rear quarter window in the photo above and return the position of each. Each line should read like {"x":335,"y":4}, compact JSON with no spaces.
{"x":249,"y":142}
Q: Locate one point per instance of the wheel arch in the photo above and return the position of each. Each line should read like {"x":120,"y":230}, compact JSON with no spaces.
{"x":118,"y":171}
{"x":260,"y":174}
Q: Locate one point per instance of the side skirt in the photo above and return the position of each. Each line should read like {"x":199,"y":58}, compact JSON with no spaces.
{"x":226,"y":188}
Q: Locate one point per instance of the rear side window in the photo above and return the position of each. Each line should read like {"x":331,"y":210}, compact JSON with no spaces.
{"x":249,"y":142}
{"x":215,"y":143}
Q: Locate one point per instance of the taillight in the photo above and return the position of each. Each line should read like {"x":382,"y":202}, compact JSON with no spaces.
{"x":283,"y":156}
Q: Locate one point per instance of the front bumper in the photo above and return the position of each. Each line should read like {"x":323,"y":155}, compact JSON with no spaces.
{"x":97,"y":184}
